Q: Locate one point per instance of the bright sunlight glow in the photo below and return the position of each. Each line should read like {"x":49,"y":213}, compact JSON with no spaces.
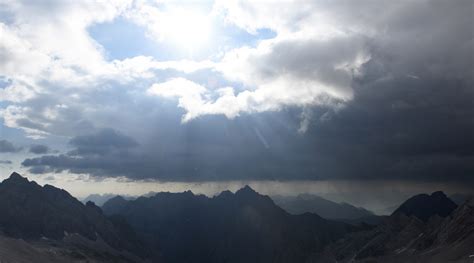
{"x":187,"y":28}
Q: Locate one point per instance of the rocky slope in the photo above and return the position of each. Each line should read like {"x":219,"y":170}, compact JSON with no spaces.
{"x":34,"y":213}
{"x":408,"y":238}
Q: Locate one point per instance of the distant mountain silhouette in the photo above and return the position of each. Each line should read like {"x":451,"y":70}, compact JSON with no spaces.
{"x":424,"y":206}
{"x":100,"y":199}
{"x":325,"y":208}
{"x":30,"y":211}
{"x":114,"y":205}
{"x":240,"y":227}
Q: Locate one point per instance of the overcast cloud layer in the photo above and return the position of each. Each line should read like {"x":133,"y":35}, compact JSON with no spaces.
{"x":338,"y":90}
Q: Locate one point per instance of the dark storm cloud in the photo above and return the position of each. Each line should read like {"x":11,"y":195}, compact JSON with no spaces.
{"x":419,"y":129}
{"x":8,"y":147}
{"x":102,"y":142}
{"x":369,"y":139}
{"x":39,"y":149}
{"x":105,"y":152}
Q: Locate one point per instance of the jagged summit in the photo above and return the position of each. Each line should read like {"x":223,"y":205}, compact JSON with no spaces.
{"x":16,"y":177}
{"x":17,"y":183}
{"x":246,"y":190}
{"x":15,"y":174}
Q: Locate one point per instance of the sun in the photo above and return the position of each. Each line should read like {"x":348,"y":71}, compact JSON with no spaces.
{"x":188,"y":28}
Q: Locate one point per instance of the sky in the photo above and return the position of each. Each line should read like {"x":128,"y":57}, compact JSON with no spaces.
{"x":367,"y":98}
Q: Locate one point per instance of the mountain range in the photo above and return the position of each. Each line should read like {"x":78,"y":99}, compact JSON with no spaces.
{"x":230,"y":227}
{"x":100,"y":199}
{"x":47,"y":224}
{"x":304,"y":203}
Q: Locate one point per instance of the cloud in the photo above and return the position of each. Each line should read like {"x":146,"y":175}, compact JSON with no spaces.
{"x":331,"y":96}
{"x":319,"y":66}
{"x":367,"y":139}
{"x":41,"y":70}
{"x":196,"y":99}
{"x":5,"y":162}
{"x":17,"y":92}
{"x":8,"y":147}
{"x":104,"y":141}
{"x":321,"y":46}
{"x":39,"y":149}
{"x":199,"y":101}
{"x":103,"y":150}
{"x":177,"y":87}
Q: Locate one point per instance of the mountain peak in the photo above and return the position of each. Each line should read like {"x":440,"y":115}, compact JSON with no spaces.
{"x":118,"y":198}
{"x":114,"y":204}
{"x":424,"y":206}
{"x":246,"y":189}
{"x":438,"y":194}
{"x":16,"y":175}
{"x":226,"y":192}
{"x":17,"y":179}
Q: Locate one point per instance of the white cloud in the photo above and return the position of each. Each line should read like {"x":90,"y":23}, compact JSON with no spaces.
{"x":18,"y":56}
{"x":47,"y":55}
{"x":144,"y":66}
{"x":318,"y":66}
{"x":50,"y":41}
{"x":253,"y":15}
{"x":189,"y":94}
{"x":198,"y":101}
{"x":16,"y":92}
{"x":58,"y":29}
{"x":177,"y":87}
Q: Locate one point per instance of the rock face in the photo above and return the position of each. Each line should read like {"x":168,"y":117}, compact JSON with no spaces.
{"x":31,"y":212}
{"x":325,"y":208}
{"x":424,"y":206}
{"x":240,"y":227}
{"x":409,"y":238}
